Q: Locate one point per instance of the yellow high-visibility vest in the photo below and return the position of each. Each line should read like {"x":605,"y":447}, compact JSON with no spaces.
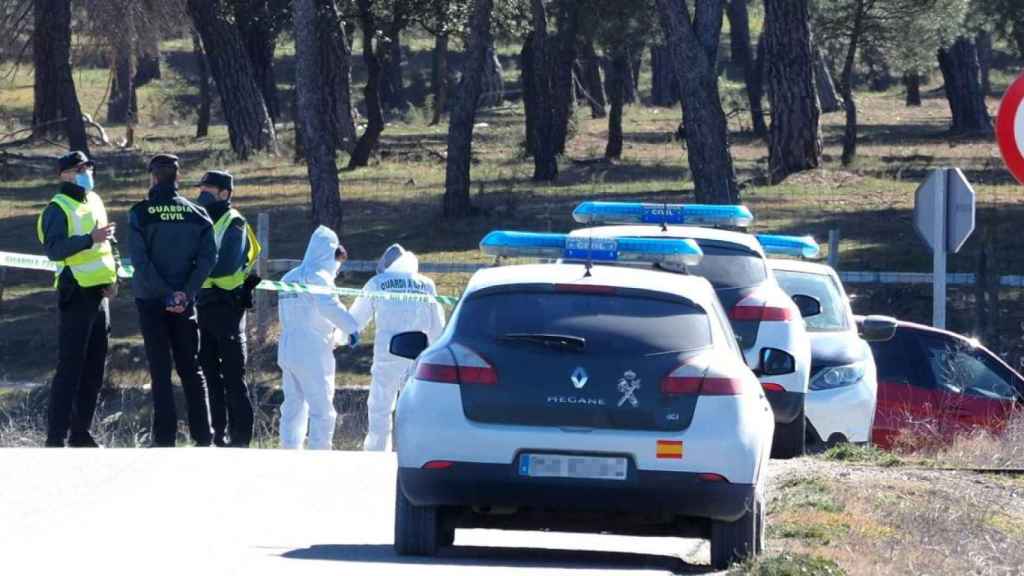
{"x":94,"y":266}
{"x":237,"y":278}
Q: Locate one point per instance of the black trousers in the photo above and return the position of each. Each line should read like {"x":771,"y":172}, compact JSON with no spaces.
{"x":222,"y":354}
{"x":84,"y":326}
{"x":168,"y":335}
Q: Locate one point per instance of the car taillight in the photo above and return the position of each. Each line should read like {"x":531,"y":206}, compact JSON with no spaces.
{"x":438,"y":465}
{"x":712,"y":477}
{"x":755,"y":308}
{"x":772,"y":387}
{"x":689,"y":380}
{"x":456,"y":365}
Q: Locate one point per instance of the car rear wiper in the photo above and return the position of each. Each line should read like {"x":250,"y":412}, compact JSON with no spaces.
{"x":560,"y":341}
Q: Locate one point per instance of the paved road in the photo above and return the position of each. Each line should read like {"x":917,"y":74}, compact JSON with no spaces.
{"x":225,"y":512}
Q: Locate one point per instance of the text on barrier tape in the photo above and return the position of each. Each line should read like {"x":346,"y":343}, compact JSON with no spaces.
{"x":34,"y":262}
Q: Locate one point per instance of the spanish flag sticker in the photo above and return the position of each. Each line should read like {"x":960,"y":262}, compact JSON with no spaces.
{"x":670,"y":449}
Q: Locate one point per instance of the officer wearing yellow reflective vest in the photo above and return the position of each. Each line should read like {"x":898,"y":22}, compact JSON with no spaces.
{"x":225,"y":296}
{"x":75,"y":234}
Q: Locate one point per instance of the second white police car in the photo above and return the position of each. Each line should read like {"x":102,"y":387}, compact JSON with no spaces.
{"x":767,"y":321}
{"x":583,"y":397}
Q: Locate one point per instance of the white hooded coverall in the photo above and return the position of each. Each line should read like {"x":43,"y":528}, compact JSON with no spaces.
{"x":311,"y":326}
{"x":397,"y":273}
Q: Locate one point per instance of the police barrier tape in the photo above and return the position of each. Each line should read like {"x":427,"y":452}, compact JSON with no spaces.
{"x":34,"y":262}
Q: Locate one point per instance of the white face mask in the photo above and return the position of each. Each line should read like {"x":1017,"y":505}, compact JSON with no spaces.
{"x":84,"y":179}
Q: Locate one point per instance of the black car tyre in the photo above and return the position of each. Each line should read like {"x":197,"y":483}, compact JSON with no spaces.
{"x":790,"y":440}
{"x":417,"y":528}
{"x":737,"y":541}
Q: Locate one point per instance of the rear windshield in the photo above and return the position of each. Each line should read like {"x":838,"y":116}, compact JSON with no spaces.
{"x":833,"y":317}
{"x":728,"y":266}
{"x":609,"y":323}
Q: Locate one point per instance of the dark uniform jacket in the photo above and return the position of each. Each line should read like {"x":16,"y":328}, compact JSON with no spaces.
{"x":172,"y":245}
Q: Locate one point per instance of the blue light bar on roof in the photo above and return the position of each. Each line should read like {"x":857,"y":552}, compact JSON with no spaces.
{"x":804,"y":246}
{"x":649,"y":213}
{"x":584,"y":248}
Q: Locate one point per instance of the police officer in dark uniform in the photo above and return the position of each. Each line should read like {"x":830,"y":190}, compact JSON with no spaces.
{"x":173,"y":252}
{"x":222,"y":303}
{"x":75,"y":234}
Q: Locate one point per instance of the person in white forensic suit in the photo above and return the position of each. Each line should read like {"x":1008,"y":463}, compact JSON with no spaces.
{"x":312,"y":325}
{"x":397,"y":274}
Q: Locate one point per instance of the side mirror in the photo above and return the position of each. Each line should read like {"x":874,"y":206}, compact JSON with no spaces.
{"x":876,"y":328}
{"x":775,"y":362}
{"x":808,"y":305}
{"x":408,"y":344}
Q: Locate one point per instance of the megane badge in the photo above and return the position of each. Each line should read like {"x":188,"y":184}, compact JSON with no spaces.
{"x":579,"y":377}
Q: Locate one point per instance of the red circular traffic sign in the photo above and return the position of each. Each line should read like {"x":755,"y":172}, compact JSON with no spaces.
{"x":1010,"y":128}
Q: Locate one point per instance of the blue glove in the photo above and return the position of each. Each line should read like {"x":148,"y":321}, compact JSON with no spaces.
{"x":353,"y":340}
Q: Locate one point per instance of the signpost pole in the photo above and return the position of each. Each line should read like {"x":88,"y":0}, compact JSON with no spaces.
{"x":939,"y":255}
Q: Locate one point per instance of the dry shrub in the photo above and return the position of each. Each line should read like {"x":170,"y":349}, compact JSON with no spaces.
{"x":982,"y":449}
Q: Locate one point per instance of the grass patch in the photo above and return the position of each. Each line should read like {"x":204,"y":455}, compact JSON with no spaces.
{"x":862,"y":455}
{"x":789,"y":565}
{"x":811,"y":493}
{"x":819,"y":528}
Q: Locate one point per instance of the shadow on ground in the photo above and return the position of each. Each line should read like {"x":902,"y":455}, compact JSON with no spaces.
{"x":499,"y":557}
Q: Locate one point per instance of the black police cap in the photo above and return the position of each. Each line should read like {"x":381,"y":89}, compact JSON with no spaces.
{"x":163,"y":160}
{"x":72,"y":160}
{"x":218,"y":179}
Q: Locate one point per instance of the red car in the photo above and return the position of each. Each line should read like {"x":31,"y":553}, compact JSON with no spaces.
{"x":934,"y":385}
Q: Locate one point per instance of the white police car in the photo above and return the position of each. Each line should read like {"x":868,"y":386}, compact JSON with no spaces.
{"x":766,"y":320}
{"x":844,"y":384}
{"x":583,"y":398}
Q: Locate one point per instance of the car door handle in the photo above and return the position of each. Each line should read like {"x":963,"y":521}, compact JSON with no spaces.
{"x":576,"y":429}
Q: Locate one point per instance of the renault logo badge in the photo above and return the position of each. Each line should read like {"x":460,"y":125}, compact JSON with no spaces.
{"x":579,"y":377}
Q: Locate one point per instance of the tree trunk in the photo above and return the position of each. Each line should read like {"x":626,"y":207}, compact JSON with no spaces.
{"x":531,"y":108}
{"x":878,"y":74}
{"x":249,"y":125}
{"x":147,"y":59}
{"x":962,"y":74}
{"x":912,"y":80}
{"x":123,"y":103}
{"x":591,"y":80}
{"x":694,"y":49}
{"x":565,"y":104}
{"x":439,"y":77}
{"x":636,"y":61}
{"x":493,"y":91}
{"x":742,"y":56}
{"x":983,"y":40}
{"x":253,"y":20}
{"x":795,"y":135}
{"x":827,"y":96}
{"x":313,"y":114}
{"x":846,"y":86}
{"x":371,"y":93}
{"x":545,"y":156}
{"x":203,"y":68}
{"x":392,"y":87}
{"x":1017,"y":31}
{"x":336,"y":70}
{"x":618,"y":77}
{"x":54,"y":88}
{"x":460,"y":127}
{"x":664,"y":86}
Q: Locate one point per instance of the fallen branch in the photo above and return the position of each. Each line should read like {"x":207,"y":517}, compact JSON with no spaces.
{"x":439,"y":155}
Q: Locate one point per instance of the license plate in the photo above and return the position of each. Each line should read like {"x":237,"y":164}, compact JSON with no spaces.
{"x":567,"y":466}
